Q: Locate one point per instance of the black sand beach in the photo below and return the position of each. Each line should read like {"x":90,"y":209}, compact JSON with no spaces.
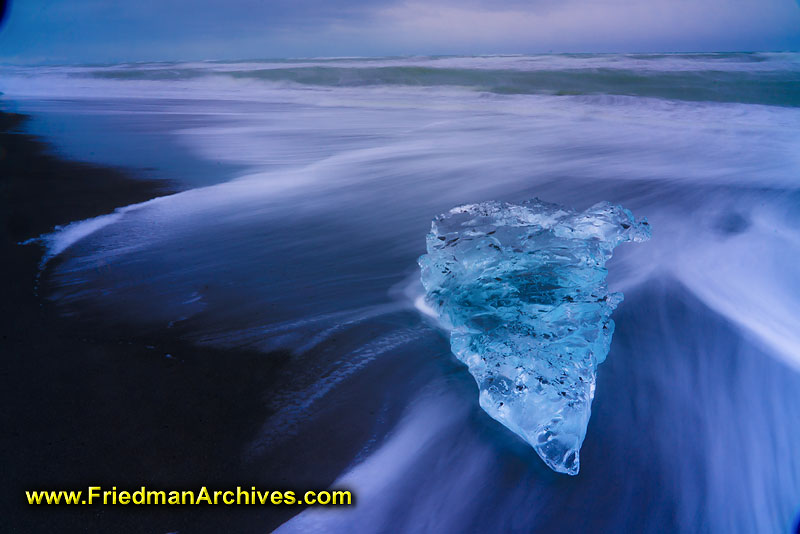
{"x":88,"y":406}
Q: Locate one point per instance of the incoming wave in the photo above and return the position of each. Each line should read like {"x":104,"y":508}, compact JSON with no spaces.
{"x":777,"y":88}
{"x":769,"y":79}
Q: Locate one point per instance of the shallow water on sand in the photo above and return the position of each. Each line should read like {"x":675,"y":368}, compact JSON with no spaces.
{"x":307,"y":241}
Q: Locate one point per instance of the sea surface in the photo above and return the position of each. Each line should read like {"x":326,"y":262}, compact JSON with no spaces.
{"x":305,"y":190}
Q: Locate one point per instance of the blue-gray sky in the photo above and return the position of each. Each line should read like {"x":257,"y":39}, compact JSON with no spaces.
{"x":108,"y":30}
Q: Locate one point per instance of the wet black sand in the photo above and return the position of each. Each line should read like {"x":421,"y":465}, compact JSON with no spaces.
{"x":86,"y":405}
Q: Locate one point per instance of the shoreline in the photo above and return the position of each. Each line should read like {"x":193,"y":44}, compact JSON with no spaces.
{"x":90,"y":407}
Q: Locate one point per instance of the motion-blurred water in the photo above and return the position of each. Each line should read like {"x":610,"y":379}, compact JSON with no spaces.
{"x":300,"y":226}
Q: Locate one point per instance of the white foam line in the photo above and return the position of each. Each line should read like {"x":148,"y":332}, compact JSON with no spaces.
{"x":425,"y":422}
{"x":297,"y":404}
{"x":63,"y":237}
{"x":343,"y":318}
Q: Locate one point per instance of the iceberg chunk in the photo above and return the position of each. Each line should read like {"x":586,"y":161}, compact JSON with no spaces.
{"x":522,"y":289}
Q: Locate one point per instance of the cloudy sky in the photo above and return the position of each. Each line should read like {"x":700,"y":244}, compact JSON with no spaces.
{"x":108,"y":30}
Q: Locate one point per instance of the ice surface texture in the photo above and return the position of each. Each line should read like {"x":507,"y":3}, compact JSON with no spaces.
{"x":522,"y":289}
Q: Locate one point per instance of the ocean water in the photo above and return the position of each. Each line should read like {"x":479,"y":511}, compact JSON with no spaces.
{"x":305,"y":190}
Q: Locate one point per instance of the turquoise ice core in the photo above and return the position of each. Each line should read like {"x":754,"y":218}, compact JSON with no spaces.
{"x":522,"y":289}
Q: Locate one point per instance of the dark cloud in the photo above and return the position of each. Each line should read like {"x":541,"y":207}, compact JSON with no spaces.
{"x":3,"y":11}
{"x":102,"y":30}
